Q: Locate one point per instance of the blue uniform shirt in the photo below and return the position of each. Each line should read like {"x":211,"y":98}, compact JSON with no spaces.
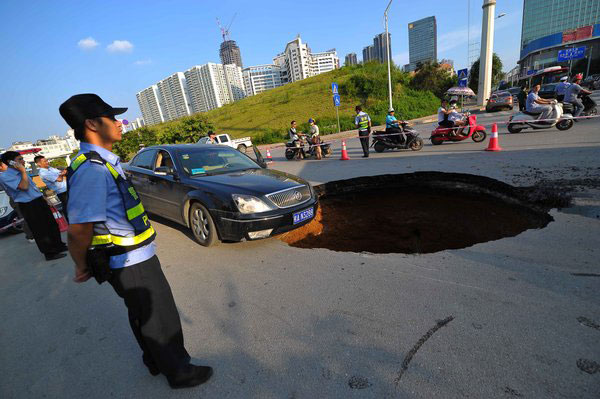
{"x":389,"y":121}
{"x":561,"y":88}
{"x":572,"y":92}
{"x":531,"y":105}
{"x":10,"y":181}
{"x":94,"y":197}
{"x":49,"y":177}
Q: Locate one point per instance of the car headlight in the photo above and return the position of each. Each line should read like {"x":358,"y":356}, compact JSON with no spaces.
{"x":250,"y":204}
{"x":3,"y":210}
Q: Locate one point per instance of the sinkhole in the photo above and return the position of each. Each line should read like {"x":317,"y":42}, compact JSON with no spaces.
{"x":421,"y":212}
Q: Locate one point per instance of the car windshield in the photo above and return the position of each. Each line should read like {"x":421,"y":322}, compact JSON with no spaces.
{"x":210,"y":161}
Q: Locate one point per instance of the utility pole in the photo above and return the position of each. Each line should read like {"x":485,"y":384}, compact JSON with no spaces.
{"x":487,"y":51}
{"x":389,"y":57}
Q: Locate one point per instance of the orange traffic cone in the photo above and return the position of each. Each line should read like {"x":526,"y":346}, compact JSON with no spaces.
{"x":269,"y":157}
{"x":345,"y":156}
{"x":60,"y":220}
{"x":494,"y":146}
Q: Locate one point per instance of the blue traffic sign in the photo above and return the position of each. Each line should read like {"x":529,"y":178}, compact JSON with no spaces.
{"x":571,"y":54}
{"x":462,"y":83}
{"x":463,"y":73}
{"x":532,"y":72}
{"x":337,"y":100}
{"x":334,"y":88}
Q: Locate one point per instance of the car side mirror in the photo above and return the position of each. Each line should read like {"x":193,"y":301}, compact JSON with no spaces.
{"x":164,"y":170}
{"x":260,"y":160}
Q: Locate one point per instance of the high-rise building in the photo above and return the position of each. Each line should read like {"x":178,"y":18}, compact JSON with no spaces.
{"x":351,"y":59}
{"x":175,"y":98}
{"x":422,"y":42}
{"x":149,"y":102}
{"x":369,"y":54}
{"x":300,"y":63}
{"x":553,"y":25}
{"x":379,"y":47}
{"x":214,"y":85}
{"x":262,"y":78}
{"x":230,"y":53}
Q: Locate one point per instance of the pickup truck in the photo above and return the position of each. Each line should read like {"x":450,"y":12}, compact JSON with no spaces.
{"x":239,"y":144}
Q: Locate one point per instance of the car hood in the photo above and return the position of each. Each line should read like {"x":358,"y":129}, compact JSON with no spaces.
{"x":251,"y":181}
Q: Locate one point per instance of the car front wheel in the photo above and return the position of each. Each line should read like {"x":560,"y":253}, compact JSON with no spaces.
{"x":202,"y":225}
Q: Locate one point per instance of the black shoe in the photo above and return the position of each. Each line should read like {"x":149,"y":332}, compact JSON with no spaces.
{"x":190,"y":376}
{"x":55,"y":256}
{"x":151,"y":366}
{"x":63,"y":248}
{"x":365,"y":156}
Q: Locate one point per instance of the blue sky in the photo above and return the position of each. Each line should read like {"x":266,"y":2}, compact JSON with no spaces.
{"x":53,"y":49}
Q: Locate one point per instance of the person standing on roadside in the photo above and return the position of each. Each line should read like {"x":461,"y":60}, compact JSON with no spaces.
{"x":15,"y":206}
{"x":522,"y":98}
{"x":111,"y":239}
{"x":32,"y":205}
{"x":315,"y":138}
{"x":54,"y":179}
{"x":363,"y":124}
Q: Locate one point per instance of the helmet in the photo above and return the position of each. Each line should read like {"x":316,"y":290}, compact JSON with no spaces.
{"x":311,"y":120}
{"x":391,"y":110}
{"x":579,"y":76}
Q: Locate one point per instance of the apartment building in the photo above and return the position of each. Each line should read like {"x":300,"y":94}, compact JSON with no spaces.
{"x":351,"y":59}
{"x":300,"y":63}
{"x":175,"y":98}
{"x":214,"y":85}
{"x":261,"y":78}
{"x":150,"y":105}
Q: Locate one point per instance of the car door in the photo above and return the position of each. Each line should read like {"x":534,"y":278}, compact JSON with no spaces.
{"x":165,"y":187}
{"x":139,"y":171}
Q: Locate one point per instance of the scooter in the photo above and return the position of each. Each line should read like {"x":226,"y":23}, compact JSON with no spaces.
{"x":476,"y":132}
{"x":294,"y":149}
{"x":407,"y":138}
{"x":524,"y":120}
{"x":588,"y":104}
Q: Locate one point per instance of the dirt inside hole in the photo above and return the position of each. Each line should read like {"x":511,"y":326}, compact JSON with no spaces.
{"x":425,"y":218}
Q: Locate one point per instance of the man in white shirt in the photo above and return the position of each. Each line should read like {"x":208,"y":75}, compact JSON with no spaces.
{"x":54,"y":179}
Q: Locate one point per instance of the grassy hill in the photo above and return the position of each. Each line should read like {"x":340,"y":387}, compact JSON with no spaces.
{"x":267,"y":116}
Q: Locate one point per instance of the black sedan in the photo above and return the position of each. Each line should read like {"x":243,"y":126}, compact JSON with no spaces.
{"x":219,"y":193}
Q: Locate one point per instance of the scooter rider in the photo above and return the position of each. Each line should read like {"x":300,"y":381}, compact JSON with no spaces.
{"x":573,"y":91}
{"x":393,"y":126}
{"x":295,"y":137}
{"x":538,"y":105}
{"x":444,"y":113}
{"x":315,"y":138}
{"x":561,"y":88}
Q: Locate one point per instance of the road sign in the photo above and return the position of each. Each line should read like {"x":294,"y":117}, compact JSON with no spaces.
{"x":531,"y":72}
{"x":462,"y":83}
{"x":571,"y":54}
{"x":463,"y":73}
{"x":334,"y":88}
{"x":337,"y":100}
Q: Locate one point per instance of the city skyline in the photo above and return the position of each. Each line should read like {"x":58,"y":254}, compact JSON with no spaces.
{"x":59,"y":51}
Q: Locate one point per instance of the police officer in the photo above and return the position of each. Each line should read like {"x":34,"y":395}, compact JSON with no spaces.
{"x":32,"y":205}
{"x":111,"y":238}
{"x":363,"y":123}
{"x":561,"y":88}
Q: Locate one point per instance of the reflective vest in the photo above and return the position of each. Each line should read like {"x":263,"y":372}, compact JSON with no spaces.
{"x":144,"y":233}
{"x":363,"y":122}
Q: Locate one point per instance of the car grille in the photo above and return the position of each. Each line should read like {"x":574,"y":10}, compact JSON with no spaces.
{"x":290,"y":197}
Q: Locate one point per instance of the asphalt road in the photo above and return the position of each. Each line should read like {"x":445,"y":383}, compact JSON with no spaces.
{"x":281,"y":322}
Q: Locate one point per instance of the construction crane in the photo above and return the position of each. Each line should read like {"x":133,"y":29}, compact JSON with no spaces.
{"x":225,"y":31}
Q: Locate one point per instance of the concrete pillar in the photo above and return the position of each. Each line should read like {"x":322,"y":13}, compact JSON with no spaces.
{"x":487,"y":50}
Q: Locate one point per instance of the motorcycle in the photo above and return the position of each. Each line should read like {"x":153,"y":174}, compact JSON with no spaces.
{"x":524,"y":120}
{"x":409,"y":138}
{"x":588,"y":104}
{"x":294,"y":149}
{"x":476,"y":132}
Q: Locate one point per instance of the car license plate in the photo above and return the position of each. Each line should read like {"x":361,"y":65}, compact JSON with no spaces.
{"x":304,"y":215}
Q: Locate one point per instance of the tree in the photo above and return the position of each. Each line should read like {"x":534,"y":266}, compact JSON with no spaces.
{"x":433,"y":78}
{"x":497,"y":74}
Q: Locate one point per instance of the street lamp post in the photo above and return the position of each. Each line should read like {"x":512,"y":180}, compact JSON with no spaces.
{"x":389,"y":60}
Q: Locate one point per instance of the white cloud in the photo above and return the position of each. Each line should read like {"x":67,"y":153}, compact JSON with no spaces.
{"x":87,"y":44}
{"x":143,"y":62}
{"x":120,"y":46}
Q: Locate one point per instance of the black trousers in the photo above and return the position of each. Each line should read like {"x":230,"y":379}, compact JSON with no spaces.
{"x":364,"y":141}
{"x":26,"y":229}
{"x":153,"y":315}
{"x":63,"y":197}
{"x":45,"y":230}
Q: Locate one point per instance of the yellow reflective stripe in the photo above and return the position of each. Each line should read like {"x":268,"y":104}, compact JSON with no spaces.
{"x":135,"y":211}
{"x":78,"y":161}
{"x":123,"y":241}
{"x":112,"y":170}
{"x":102,"y":240}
